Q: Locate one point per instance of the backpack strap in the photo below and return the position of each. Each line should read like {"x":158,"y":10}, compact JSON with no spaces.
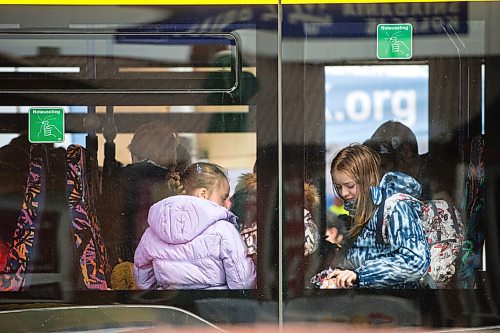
{"x":454,"y":217}
{"x":432,"y":204}
{"x":379,"y":237}
{"x":382,"y":214}
{"x":430,"y":281}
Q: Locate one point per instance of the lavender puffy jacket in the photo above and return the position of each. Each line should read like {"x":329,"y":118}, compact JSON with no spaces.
{"x":192,"y":243}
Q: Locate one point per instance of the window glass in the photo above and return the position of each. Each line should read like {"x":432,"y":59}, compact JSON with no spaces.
{"x":360,"y":98}
{"x":111,"y":61}
{"x":172,"y":165}
{"x":164,"y":108}
{"x":419,"y":113}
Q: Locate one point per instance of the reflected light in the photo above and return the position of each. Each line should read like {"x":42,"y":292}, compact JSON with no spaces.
{"x":39,"y":69}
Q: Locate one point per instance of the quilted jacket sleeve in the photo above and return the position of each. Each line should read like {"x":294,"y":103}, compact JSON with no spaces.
{"x":409,"y":256}
{"x":240,"y":269}
{"x":143,"y":266}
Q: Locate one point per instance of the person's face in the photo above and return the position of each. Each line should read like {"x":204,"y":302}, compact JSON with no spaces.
{"x":345,"y":185}
{"x":220,"y":194}
{"x":331,"y":235}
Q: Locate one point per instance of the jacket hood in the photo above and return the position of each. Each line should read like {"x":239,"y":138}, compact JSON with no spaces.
{"x":181,"y":218}
{"x":396,"y":182}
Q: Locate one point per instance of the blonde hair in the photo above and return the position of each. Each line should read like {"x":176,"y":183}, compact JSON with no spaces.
{"x":156,"y":142}
{"x":197,"y":175}
{"x":363,"y":165}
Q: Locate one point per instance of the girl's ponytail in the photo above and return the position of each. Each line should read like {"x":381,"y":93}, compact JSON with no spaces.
{"x":174,"y":183}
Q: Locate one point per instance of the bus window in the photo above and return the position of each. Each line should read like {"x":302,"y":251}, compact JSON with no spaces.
{"x":376,"y":94}
{"x":150,"y":98}
{"x":421,"y":114}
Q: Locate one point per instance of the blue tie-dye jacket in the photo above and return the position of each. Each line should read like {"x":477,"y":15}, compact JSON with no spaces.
{"x":405,"y":259}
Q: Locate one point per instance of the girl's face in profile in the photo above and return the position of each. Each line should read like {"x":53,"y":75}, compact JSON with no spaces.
{"x":345,"y":185}
{"x":220,"y":194}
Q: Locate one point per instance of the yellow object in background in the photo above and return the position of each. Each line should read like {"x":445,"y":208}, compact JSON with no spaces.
{"x":122,"y":277}
{"x":338,"y":210}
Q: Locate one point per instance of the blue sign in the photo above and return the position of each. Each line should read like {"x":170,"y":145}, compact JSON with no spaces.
{"x":315,"y":20}
{"x":360,"y":98}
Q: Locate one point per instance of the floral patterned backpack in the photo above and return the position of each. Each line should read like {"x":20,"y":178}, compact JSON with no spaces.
{"x":444,"y":230}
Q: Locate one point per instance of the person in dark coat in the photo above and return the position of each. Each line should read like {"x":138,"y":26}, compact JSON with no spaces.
{"x":137,"y":186}
{"x":398,"y":149}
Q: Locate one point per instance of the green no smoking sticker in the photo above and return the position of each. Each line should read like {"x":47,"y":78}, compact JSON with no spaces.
{"x":394,"y":41}
{"x":46,"y":125}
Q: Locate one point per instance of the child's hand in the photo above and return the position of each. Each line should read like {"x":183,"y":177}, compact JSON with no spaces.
{"x":343,"y":278}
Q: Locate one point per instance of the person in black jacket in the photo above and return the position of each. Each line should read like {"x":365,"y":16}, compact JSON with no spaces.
{"x":154,"y":149}
{"x":398,"y":149}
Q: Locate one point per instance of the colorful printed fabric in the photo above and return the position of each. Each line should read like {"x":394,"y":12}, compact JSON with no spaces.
{"x":4,"y":254}
{"x":475,"y":215}
{"x":89,"y":244}
{"x":321,"y":280}
{"x":443,"y":229}
{"x":249,"y":234}
{"x":311,"y":234}
{"x":445,"y":233}
{"x":13,"y":277}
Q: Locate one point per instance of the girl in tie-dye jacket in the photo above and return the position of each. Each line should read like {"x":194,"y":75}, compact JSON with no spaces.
{"x":404,"y":260}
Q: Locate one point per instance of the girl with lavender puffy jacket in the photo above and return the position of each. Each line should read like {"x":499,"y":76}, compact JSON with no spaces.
{"x":193,"y":241}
